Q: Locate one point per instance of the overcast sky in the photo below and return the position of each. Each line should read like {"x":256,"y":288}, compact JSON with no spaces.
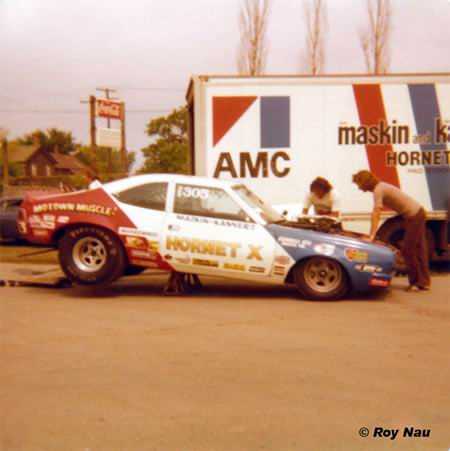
{"x":55,"y":52}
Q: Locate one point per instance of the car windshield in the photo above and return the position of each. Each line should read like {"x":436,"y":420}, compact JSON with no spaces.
{"x":268,"y":213}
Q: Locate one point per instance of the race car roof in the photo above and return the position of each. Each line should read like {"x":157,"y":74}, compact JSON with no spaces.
{"x":130,"y":182}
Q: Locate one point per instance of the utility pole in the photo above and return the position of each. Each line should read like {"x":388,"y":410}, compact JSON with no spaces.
{"x":92,"y":121}
{"x":92,"y":127}
{"x":107,"y":91}
{"x":123,"y":146}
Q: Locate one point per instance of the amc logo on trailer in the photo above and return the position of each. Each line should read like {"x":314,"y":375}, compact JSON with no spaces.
{"x":273,"y":126}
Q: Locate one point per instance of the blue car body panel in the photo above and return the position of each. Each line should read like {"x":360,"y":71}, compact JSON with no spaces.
{"x":358,"y":258}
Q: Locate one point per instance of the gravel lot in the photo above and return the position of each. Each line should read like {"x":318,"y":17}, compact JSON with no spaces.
{"x":233,"y":368}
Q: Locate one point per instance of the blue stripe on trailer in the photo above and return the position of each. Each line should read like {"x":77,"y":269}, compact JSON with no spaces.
{"x":426,"y":112}
{"x":275,"y":122}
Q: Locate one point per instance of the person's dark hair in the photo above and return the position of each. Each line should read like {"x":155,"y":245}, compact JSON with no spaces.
{"x":321,"y":183}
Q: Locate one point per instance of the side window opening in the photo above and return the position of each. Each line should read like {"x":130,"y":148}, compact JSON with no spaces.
{"x":207,"y":202}
{"x":151,"y":195}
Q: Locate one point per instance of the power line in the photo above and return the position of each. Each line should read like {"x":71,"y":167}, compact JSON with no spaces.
{"x":33,"y":111}
{"x":133,"y":88}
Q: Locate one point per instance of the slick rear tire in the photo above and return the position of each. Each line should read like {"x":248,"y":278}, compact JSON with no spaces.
{"x":91,"y":256}
{"x":133,"y":270}
{"x":322,"y":279}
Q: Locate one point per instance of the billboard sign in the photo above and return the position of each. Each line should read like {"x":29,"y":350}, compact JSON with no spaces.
{"x":108,"y":137}
{"x":109,"y":109}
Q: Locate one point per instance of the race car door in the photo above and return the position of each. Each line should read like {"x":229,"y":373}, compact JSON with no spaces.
{"x":208,"y":232}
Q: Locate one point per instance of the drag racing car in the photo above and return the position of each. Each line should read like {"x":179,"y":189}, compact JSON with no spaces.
{"x":197,"y":226}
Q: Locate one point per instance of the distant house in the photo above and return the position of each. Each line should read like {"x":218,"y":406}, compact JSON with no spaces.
{"x":34,"y":161}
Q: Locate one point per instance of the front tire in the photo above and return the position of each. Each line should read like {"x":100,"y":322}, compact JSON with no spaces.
{"x":321,"y":278}
{"x":91,"y":256}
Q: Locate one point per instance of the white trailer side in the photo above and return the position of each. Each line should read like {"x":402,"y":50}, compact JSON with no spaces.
{"x":277,"y":133}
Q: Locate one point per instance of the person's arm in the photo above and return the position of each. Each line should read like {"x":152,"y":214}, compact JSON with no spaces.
{"x":376,"y":213}
{"x":336,"y":207}
{"x":374,"y":222}
{"x":307,"y":204}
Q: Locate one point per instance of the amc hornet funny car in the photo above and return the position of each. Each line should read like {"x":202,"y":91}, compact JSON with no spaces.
{"x":196,"y":226}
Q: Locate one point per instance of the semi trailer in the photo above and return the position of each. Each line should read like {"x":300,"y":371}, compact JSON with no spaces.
{"x":277,"y":133}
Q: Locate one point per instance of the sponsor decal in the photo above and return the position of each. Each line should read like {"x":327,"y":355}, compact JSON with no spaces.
{"x":136,"y":242}
{"x":218,"y":222}
{"x":254,"y":252}
{"x":205,"y":262}
{"x":325,"y":249}
{"x":258,"y":269}
{"x":211,"y":247}
{"x":356,"y":255}
{"x":279,"y":270}
{"x":75,"y":208}
{"x":368,"y":268}
{"x":153,"y":245}
{"x":282,"y":259}
{"x":62,"y":219}
{"x":40,"y":233}
{"x":377,"y":282}
{"x":45,"y":222}
{"x":136,"y":232}
{"x":206,"y":247}
{"x":234,"y":266}
{"x":143,"y":254}
{"x":194,"y":192}
{"x":293,"y":242}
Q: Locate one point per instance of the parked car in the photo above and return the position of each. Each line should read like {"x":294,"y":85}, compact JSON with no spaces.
{"x":197,"y":226}
{"x":9,"y":209}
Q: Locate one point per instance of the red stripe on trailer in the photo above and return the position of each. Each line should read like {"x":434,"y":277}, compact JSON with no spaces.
{"x":369,"y":102}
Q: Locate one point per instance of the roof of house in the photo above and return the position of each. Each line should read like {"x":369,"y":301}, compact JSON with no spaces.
{"x":64,"y":161}
{"x":19,"y":153}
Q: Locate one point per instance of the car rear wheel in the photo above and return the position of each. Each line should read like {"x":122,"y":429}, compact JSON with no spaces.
{"x":91,"y":256}
{"x":133,"y":270}
{"x":321,"y":278}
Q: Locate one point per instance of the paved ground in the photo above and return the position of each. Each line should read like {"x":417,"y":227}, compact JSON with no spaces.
{"x":235,"y":368}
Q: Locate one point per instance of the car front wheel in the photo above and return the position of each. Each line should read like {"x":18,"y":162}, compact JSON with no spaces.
{"x":91,"y":256}
{"x":321,"y":278}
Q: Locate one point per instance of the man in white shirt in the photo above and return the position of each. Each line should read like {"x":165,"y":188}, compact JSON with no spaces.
{"x":322,"y":197}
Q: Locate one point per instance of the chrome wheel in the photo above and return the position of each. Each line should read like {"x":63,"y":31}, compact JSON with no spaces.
{"x":323,"y":275}
{"x":89,"y":254}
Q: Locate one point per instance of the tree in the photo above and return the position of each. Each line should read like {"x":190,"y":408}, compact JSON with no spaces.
{"x":375,"y":40}
{"x":106,"y":162}
{"x":253,"y":47}
{"x":51,"y":140}
{"x":316,"y":25}
{"x":169,"y":152}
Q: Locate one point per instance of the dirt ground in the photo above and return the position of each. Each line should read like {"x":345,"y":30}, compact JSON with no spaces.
{"x":242,"y":367}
